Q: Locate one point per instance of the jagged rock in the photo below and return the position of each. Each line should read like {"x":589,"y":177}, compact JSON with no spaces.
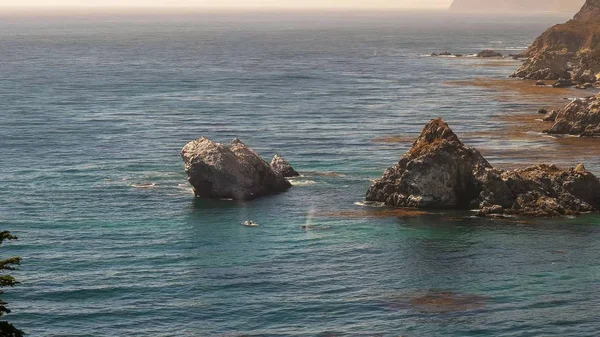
{"x":281,"y":166}
{"x":570,"y":50}
{"x":563,"y":83}
{"x":543,"y":111}
{"x":439,"y":171}
{"x":434,"y":54}
{"x":581,"y":117}
{"x":544,"y":66}
{"x":229,"y":172}
{"x":489,"y":53}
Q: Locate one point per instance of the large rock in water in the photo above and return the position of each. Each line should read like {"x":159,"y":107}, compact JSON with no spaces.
{"x":237,"y":172}
{"x":281,"y":166}
{"x":441,"y":172}
{"x":570,"y":50}
{"x":581,"y":117}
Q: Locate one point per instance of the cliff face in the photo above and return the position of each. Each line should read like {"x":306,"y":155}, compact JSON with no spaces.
{"x":569,"y":49}
{"x":494,"y":6}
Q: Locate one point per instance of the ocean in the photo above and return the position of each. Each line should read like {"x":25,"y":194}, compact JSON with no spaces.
{"x":95,"y":109}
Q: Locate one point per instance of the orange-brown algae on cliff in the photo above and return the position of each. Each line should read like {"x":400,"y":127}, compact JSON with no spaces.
{"x":374,"y":213}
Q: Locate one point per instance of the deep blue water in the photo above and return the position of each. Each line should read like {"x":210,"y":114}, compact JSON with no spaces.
{"x":94,"y":110}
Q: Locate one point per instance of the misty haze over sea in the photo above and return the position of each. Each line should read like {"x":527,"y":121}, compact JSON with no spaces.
{"x":96,"y":108}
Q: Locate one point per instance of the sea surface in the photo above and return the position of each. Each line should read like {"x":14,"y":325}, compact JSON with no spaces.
{"x":95,"y":109}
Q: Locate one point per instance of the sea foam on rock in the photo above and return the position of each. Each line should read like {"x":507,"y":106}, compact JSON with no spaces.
{"x":441,"y":172}
{"x":234,"y":172}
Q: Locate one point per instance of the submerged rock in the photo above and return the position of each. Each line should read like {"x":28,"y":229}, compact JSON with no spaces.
{"x":489,"y":53}
{"x":563,"y":83}
{"x":229,"y":172}
{"x":581,"y":117}
{"x":281,"y":166}
{"x":441,"y":172}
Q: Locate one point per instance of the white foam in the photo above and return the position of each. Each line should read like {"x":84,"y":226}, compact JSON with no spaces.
{"x":369,"y":204}
{"x":302,"y":182}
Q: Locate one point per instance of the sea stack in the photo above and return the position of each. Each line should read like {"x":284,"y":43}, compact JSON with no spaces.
{"x":570,"y":51}
{"x":439,"y":171}
{"x":229,"y":172}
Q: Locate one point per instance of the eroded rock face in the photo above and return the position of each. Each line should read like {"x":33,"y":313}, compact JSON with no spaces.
{"x":229,"y":172}
{"x":544,"y":66}
{"x":281,"y":166}
{"x":441,"y":172}
{"x":438,"y":172}
{"x":581,"y":117}
{"x":570,"y":50}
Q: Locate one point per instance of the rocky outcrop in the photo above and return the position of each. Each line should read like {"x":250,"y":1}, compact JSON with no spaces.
{"x":570,"y":50}
{"x":489,"y":53}
{"x":509,"y":6}
{"x":544,"y":66}
{"x":281,"y":166}
{"x":581,"y":117}
{"x":439,"y":171}
{"x":229,"y":172}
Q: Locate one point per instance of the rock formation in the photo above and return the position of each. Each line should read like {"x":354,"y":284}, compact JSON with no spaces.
{"x":281,"y":166}
{"x":489,"y":53}
{"x":236,"y":172}
{"x":441,"y":172}
{"x":570,"y":50}
{"x":509,"y":6}
{"x":581,"y":117}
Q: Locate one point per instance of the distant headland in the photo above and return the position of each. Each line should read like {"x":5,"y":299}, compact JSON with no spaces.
{"x":521,"y":6}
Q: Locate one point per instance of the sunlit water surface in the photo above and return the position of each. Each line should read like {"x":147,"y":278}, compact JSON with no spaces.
{"x":95,"y":110}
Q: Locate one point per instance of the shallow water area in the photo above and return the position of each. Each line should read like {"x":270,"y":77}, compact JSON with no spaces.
{"x":96,"y":110}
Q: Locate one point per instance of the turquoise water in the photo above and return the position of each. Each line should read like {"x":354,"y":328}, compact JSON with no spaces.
{"x":95,"y":110}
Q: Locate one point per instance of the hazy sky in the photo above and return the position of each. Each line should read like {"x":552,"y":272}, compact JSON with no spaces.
{"x":233,"y":3}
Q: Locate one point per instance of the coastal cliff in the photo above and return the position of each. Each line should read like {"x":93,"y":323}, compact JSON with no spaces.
{"x":570,"y":50}
{"x":528,"y":6}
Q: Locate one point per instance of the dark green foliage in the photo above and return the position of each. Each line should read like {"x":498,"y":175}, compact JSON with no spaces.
{"x":7,"y":329}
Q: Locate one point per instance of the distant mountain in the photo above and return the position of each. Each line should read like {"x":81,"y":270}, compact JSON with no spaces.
{"x":508,"y":6}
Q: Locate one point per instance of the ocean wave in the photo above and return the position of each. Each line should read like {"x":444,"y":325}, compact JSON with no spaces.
{"x":369,"y":204}
{"x":302,"y":182}
{"x":143,"y":185}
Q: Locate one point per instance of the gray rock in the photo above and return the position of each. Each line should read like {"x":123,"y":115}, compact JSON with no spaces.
{"x":281,"y":166}
{"x":229,"y":172}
